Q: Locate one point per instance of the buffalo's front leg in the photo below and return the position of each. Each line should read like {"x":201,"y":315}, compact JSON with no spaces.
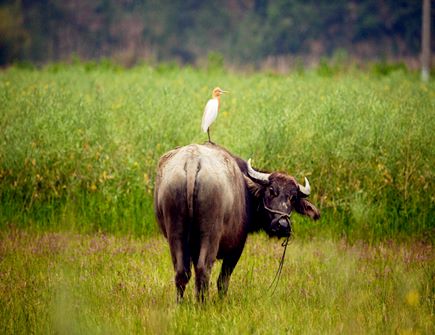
{"x":228,"y":265}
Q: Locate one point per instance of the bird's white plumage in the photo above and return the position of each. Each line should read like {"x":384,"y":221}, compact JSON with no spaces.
{"x":210,"y":114}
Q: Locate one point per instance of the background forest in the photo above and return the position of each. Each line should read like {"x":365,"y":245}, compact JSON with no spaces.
{"x":258,"y":32}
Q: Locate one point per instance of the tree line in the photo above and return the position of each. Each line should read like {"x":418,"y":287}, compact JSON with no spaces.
{"x":243,"y":31}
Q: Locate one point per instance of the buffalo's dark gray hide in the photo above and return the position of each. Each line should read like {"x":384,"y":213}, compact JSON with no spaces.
{"x":208,"y":200}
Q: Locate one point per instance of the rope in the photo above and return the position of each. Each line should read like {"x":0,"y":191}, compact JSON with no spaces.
{"x":281,"y":263}
{"x":284,"y":244}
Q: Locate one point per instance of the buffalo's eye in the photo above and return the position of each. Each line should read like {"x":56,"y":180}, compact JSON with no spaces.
{"x":273,"y":192}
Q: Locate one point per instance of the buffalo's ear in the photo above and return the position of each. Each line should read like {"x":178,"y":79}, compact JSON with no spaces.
{"x":255,"y":188}
{"x":305,"y":207}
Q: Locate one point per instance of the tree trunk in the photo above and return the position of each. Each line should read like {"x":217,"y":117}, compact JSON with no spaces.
{"x":425,"y":42}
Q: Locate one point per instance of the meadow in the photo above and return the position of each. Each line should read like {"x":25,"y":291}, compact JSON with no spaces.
{"x":68,"y":283}
{"x":80,"y":251}
{"x":80,"y":143}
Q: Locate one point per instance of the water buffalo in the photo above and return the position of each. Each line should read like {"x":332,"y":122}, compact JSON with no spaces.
{"x":206,"y":202}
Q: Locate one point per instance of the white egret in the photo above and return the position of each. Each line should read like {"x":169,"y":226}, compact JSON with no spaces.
{"x":211,"y":111}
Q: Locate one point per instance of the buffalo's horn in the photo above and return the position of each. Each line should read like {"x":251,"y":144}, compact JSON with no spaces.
{"x":305,"y":190}
{"x":260,"y":176}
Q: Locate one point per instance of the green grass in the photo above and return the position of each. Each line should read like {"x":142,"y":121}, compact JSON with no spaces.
{"x":79,"y":144}
{"x":79,"y":250}
{"x":66,"y":283}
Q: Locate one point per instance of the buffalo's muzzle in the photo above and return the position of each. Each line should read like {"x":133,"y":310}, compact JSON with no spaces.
{"x":281,"y":227}
{"x":284,"y":223}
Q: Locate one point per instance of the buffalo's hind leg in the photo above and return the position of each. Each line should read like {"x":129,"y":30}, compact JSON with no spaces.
{"x":182,"y":277}
{"x":203,"y":265}
{"x":181,"y":280}
{"x":202,"y":275}
{"x":181,"y":260}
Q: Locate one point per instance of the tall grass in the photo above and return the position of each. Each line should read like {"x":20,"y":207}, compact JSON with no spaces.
{"x":79,"y":143}
{"x":64,"y":283}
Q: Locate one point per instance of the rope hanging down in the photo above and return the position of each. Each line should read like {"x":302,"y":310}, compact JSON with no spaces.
{"x":281,"y":263}
{"x":284,"y":244}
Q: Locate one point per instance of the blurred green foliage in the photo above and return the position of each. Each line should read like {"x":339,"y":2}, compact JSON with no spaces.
{"x":187,"y":31}
{"x":79,"y":143}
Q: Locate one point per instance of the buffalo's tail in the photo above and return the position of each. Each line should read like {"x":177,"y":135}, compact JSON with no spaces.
{"x":192,"y":167}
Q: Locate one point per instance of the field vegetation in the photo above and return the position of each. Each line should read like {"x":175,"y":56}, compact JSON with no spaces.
{"x":79,"y":245}
{"x":80,"y":143}
{"x":66,"y":283}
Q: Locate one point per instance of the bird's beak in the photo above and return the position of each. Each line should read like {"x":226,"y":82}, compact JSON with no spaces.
{"x":225,"y":91}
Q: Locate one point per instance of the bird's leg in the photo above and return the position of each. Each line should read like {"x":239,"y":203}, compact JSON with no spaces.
{"x":208,"y":133}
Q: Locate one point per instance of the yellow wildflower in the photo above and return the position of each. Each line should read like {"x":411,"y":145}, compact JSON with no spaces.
{"x":413,"y":298}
